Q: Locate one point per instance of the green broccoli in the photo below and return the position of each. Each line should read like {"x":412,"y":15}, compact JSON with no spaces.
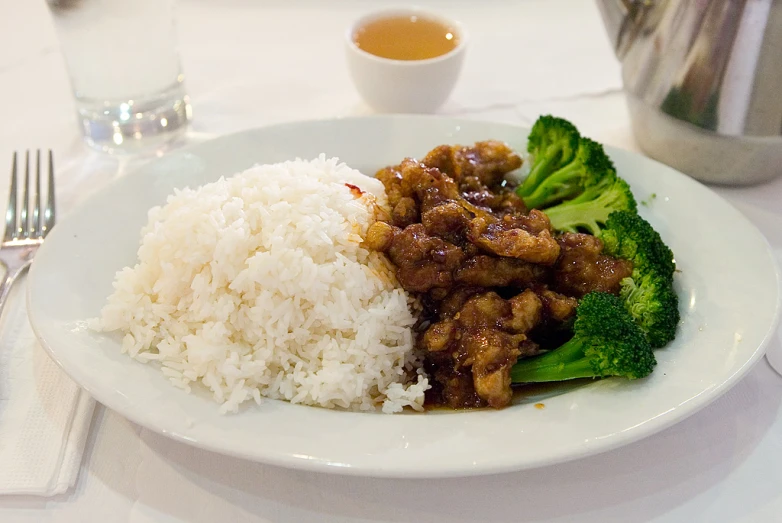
{"x":648,"y":293}
{"x":552,"y":143}
{"x":591,"y":209}
{"x":574,"y":181}
{"x":588,"y":168}
{"x":653,"y":303}
{"x":606,"y":342}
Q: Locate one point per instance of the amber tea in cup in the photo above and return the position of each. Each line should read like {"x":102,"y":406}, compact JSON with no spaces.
{"x":406,"y":37}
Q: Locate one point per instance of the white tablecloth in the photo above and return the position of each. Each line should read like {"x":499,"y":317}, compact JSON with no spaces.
{"x":250,"y":63}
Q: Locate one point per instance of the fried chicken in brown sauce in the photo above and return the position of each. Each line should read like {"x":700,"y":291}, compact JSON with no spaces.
{"x":493,"y":278}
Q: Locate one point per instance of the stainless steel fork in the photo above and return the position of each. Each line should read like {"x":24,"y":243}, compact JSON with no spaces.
{"x":25,"y":225}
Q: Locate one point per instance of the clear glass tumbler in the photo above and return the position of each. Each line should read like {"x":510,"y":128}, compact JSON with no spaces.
{"x":125,"y":71}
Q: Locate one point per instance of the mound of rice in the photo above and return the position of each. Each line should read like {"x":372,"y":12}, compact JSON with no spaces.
{"x":257,"y":285}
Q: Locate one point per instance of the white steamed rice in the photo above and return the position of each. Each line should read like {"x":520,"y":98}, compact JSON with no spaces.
{"x":257,"y":285}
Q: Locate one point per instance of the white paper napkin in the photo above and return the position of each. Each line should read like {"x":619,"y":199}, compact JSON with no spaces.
{"x":44,"y":416}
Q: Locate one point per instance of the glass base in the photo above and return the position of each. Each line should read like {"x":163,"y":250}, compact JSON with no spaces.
{"x":131,"y":126}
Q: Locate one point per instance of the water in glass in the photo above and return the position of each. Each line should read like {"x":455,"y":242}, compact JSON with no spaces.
{"x":124,"y":69}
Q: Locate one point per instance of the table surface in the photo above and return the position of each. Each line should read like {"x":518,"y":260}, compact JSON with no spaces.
{"x":254,"y":63}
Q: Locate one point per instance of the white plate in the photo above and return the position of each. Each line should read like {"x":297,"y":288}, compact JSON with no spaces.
{"x":727,"y":285}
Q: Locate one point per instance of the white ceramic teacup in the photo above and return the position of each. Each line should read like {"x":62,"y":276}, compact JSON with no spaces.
{"x":405,"y":86}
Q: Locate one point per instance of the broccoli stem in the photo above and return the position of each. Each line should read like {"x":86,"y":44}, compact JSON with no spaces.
{"x":565,"y":363}
{"x":568,"y":217}
{"x":546,"y":373}
{"x":557,"y":186}
{"x":539,"y":171}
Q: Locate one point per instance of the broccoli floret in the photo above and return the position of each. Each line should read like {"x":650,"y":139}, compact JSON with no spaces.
{"x":626,"y":235}
{"x":590,"y":209}
{"x":589,"y":166}
{"x":552,"y":144}
{"x":606,"y":342}
{"x":648,"y":294}
{"x":654,"y":305}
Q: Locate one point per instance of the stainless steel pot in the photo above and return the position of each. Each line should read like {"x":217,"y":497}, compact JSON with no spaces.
{"x":703,"y":80}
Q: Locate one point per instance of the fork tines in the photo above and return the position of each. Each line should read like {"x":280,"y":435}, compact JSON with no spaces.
{"x":23,"y":218}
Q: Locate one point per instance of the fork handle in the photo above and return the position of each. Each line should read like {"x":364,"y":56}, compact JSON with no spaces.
{"x":8,"y":282}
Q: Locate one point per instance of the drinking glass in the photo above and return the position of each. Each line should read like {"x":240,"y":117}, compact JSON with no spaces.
{"x":124,"y":69}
